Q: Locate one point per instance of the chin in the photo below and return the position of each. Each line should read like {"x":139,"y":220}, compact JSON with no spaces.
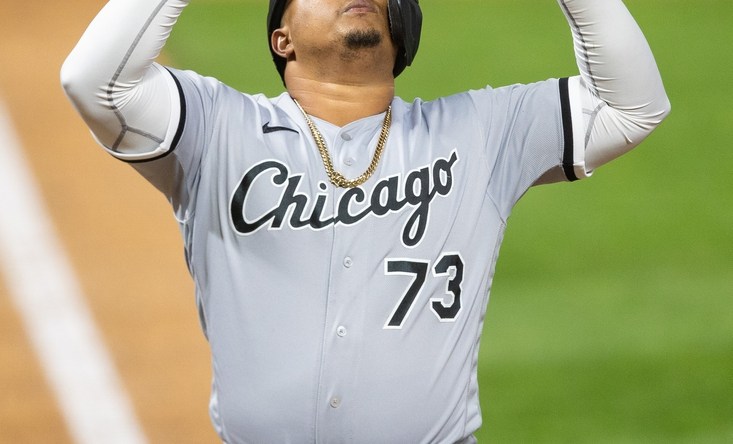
{"x":363,"y":38}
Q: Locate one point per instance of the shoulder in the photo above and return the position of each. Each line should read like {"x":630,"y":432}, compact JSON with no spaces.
{"x":463,"y":106}
{"x":489,"y":100}
{"x":208,"y":88}
{"x":221,"y":102}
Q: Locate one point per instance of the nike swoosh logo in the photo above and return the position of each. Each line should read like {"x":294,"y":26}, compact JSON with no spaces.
{"x":266,"y":128}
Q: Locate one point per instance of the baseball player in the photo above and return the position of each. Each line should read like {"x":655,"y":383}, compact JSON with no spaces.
{"x":343,"y":241}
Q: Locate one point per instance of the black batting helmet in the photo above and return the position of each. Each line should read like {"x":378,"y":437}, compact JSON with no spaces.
{"x":405,"y":24}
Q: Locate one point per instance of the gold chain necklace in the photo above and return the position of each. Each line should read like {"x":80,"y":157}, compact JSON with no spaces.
{"x":334,"y":176}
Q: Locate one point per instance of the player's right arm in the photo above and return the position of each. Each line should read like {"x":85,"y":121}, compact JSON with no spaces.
{"x":131,"y":104}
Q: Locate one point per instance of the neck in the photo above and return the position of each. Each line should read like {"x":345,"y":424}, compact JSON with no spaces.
{"x":341,"y":102}
{"x":342,"y":106}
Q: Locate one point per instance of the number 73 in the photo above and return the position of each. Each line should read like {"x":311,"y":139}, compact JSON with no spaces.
{"x":419,"y":270}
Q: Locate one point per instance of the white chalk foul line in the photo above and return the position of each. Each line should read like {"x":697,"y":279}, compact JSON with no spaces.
{"x":47,"y":296}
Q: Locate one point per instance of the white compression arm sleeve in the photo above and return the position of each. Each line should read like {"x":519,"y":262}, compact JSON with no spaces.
{"x":130,"y":103}
{"x":621,"y":91}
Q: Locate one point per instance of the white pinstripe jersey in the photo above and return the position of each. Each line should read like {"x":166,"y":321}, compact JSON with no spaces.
{"x":351,"y":315}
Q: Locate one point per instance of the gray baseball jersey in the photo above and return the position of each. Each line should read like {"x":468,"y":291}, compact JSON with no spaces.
{"x":352,"y":315}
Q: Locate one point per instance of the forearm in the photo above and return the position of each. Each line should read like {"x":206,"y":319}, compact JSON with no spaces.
{"x":126,"y":100}
{"x":626,"y":97}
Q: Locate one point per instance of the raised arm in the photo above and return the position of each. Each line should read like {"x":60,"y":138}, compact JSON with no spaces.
{"x":620,"y":89}
{"x":130,"y":103}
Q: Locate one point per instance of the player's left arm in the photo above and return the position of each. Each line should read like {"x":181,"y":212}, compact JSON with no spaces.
{"x":619,"y":98}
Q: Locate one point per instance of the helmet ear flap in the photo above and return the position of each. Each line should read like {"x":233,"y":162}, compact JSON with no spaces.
{"x":405,"y":23}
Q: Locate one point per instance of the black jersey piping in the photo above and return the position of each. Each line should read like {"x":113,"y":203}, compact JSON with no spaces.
{"x":179,"y":130}
{"x":567,"y":130}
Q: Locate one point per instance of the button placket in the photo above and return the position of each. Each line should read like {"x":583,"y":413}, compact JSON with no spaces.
{"x":349,"y":160}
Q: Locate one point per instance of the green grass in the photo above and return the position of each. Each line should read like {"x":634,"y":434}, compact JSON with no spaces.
{"x":611,"y":318}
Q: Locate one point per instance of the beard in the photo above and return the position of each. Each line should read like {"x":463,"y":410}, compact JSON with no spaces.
{"x":363,"y":39}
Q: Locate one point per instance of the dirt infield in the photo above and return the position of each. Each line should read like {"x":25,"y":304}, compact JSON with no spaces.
{"x":122,"y":240}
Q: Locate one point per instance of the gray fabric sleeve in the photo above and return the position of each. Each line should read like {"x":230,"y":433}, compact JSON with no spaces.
{"x":130,"y":104}
{"x":620,"y":91}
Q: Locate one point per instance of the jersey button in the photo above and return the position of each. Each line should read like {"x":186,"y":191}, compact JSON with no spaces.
{"x":349,"y":161}
{"x":346,"y":136}
{"x":348,"y":262}
{"x":341,"y":331}
{"x":335,"y":403}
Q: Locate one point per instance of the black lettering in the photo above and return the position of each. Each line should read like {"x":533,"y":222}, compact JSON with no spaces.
{"x":382,"y":203}
{"x":297,"y":201}
{"x":442,"y":168}
{"x":316,"y":220}
{"x":417,"y":192}
{"x":419,"y":188}
{"x":344,"y":216}
{"x":236,"y":208}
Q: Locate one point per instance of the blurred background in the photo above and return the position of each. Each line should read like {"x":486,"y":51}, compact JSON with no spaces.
{"x":611,"y":316}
